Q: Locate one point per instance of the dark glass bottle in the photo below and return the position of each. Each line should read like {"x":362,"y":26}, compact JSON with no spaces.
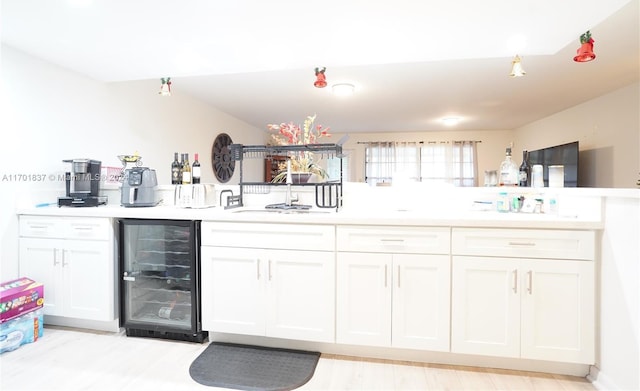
{"x":175,"y":170}
{"x":195,"y":170}
{"x":181,"y":168}
{"x":524,"y":172}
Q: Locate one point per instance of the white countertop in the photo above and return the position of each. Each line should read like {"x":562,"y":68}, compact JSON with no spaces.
{"x":346,"y":216}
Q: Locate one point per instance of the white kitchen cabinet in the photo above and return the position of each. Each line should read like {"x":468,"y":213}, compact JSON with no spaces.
{"x":277,"y":292}
{"x":233,"y":293}
{"x":393,"y":296}
{"x":74,"y":259}
{"x":485,"y":308}
{"x":519,"y":306}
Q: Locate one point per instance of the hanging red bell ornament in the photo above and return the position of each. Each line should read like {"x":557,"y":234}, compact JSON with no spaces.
{"x":585,"y":52}
{"x":321,"y":80}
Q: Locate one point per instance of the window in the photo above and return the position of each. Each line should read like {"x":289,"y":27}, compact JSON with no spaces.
{"x":335,"y":165}
{"x":441,"y":162}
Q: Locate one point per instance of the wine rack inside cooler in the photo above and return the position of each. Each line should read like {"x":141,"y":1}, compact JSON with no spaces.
{"x":160,"y":280}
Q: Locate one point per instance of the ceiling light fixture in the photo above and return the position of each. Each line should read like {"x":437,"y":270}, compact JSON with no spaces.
{"x":451,"y":121}
{"x":516,"y":67}
{"x":165,"y":87}
{"x":585,"y":51}
{"x":321,"y":80}
{"x":343,"y":89}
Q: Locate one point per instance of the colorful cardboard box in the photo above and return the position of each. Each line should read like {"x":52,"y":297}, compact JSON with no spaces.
{"x":18,"y":297}
{"x":24,"y":329}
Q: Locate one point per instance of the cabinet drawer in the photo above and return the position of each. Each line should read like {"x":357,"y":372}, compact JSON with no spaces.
{"x":65,"y":227}
{"x":88,"y":228}
{"x":41,"y":227}
{"x":269,"y":236}
{"x":417,"y":240}
{"x":524,"y":243}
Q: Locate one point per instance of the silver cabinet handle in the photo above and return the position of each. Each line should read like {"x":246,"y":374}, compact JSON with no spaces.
{"x":515,"y":281}
{"x":530,"y":287}
{"x":258,"y":268}
{"x":522,"y":244}
{"x":385,"y":276}
{"x":55,"y":257}
{"x":398,"y":276}
{"x":269,"y":270}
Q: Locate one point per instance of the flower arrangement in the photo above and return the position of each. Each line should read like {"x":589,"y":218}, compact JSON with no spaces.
{"x":293,"y":134}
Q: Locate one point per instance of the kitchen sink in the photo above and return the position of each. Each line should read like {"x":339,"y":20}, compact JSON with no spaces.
{"x":280,"y":211}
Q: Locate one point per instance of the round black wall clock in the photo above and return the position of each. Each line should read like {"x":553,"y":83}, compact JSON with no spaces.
{"x":221,"y":161}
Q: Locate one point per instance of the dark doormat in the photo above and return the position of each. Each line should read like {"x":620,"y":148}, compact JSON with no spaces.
{"x":245,"y":367}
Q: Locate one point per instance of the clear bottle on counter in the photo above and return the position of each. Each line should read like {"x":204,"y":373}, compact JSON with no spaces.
{"x":502,"y":203}
{"x":550,"y":204}
{"x":508,"y":175}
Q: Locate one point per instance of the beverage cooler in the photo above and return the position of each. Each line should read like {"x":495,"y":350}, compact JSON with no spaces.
{"x":160,"y":285}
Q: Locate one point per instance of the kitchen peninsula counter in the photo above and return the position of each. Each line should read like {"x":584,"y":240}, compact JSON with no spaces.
{"x":611,"y":212}
{"x":345,"y":216}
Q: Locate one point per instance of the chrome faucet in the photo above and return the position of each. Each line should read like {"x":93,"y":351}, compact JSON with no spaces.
{"x":289,"y":200}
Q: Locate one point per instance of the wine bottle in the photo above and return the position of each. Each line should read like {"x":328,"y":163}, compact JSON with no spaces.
{"x":181,"y":169}
{"x":508,"y":170}
{"x":186,"y":171}
{"x":175,"y":170}
{"x":524,"y":172}
{"x":195,"y":170}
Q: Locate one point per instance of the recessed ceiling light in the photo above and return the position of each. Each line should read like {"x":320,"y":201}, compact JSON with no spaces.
{"x":80,"y":3}
{"x":451,"y":121}
{"x":343,"y":89}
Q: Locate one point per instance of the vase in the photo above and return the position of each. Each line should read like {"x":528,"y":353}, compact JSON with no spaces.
{"x":301,"y":177}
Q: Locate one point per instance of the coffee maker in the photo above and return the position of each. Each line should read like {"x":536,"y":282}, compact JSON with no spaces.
{"x":82,"y":184}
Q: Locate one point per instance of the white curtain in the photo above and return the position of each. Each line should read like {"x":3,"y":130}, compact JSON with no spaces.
{"x":452,"y":162}
{"x":464,"y":163}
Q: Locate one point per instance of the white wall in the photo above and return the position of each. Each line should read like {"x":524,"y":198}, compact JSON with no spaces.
{"x":50,"y":114}
{"x":618,"y":353}
{"x":608,"y":131}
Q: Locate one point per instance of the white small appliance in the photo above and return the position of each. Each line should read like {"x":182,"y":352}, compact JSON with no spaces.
{"x":195,"y":196}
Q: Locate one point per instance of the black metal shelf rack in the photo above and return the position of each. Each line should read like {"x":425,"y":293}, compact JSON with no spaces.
{"x":328,"y":193}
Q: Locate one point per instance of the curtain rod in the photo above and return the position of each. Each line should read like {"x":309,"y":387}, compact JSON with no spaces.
{"x":420,"y":142}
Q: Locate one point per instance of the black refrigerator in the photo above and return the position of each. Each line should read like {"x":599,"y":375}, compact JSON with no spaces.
{"x":160,"y":279}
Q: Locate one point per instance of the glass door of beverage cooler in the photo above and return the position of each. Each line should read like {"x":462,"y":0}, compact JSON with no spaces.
{"x":159,"y":262}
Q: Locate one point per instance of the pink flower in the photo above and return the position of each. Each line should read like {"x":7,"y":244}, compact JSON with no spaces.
{"x":291,"y":134}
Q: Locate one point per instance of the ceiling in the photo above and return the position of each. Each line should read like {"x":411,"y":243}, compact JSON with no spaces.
{"x":412,"y":62}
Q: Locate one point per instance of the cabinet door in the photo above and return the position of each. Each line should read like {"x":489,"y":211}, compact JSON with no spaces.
{"x":558,"y":310}
{"x":485,"y":306}
{"x":301,"y":295}
{"x":421,"y":299}
{"x":87,"y":279}
{"x":41,"y":260}
{"x":364,"y":298}
{"x":233,"y":290}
